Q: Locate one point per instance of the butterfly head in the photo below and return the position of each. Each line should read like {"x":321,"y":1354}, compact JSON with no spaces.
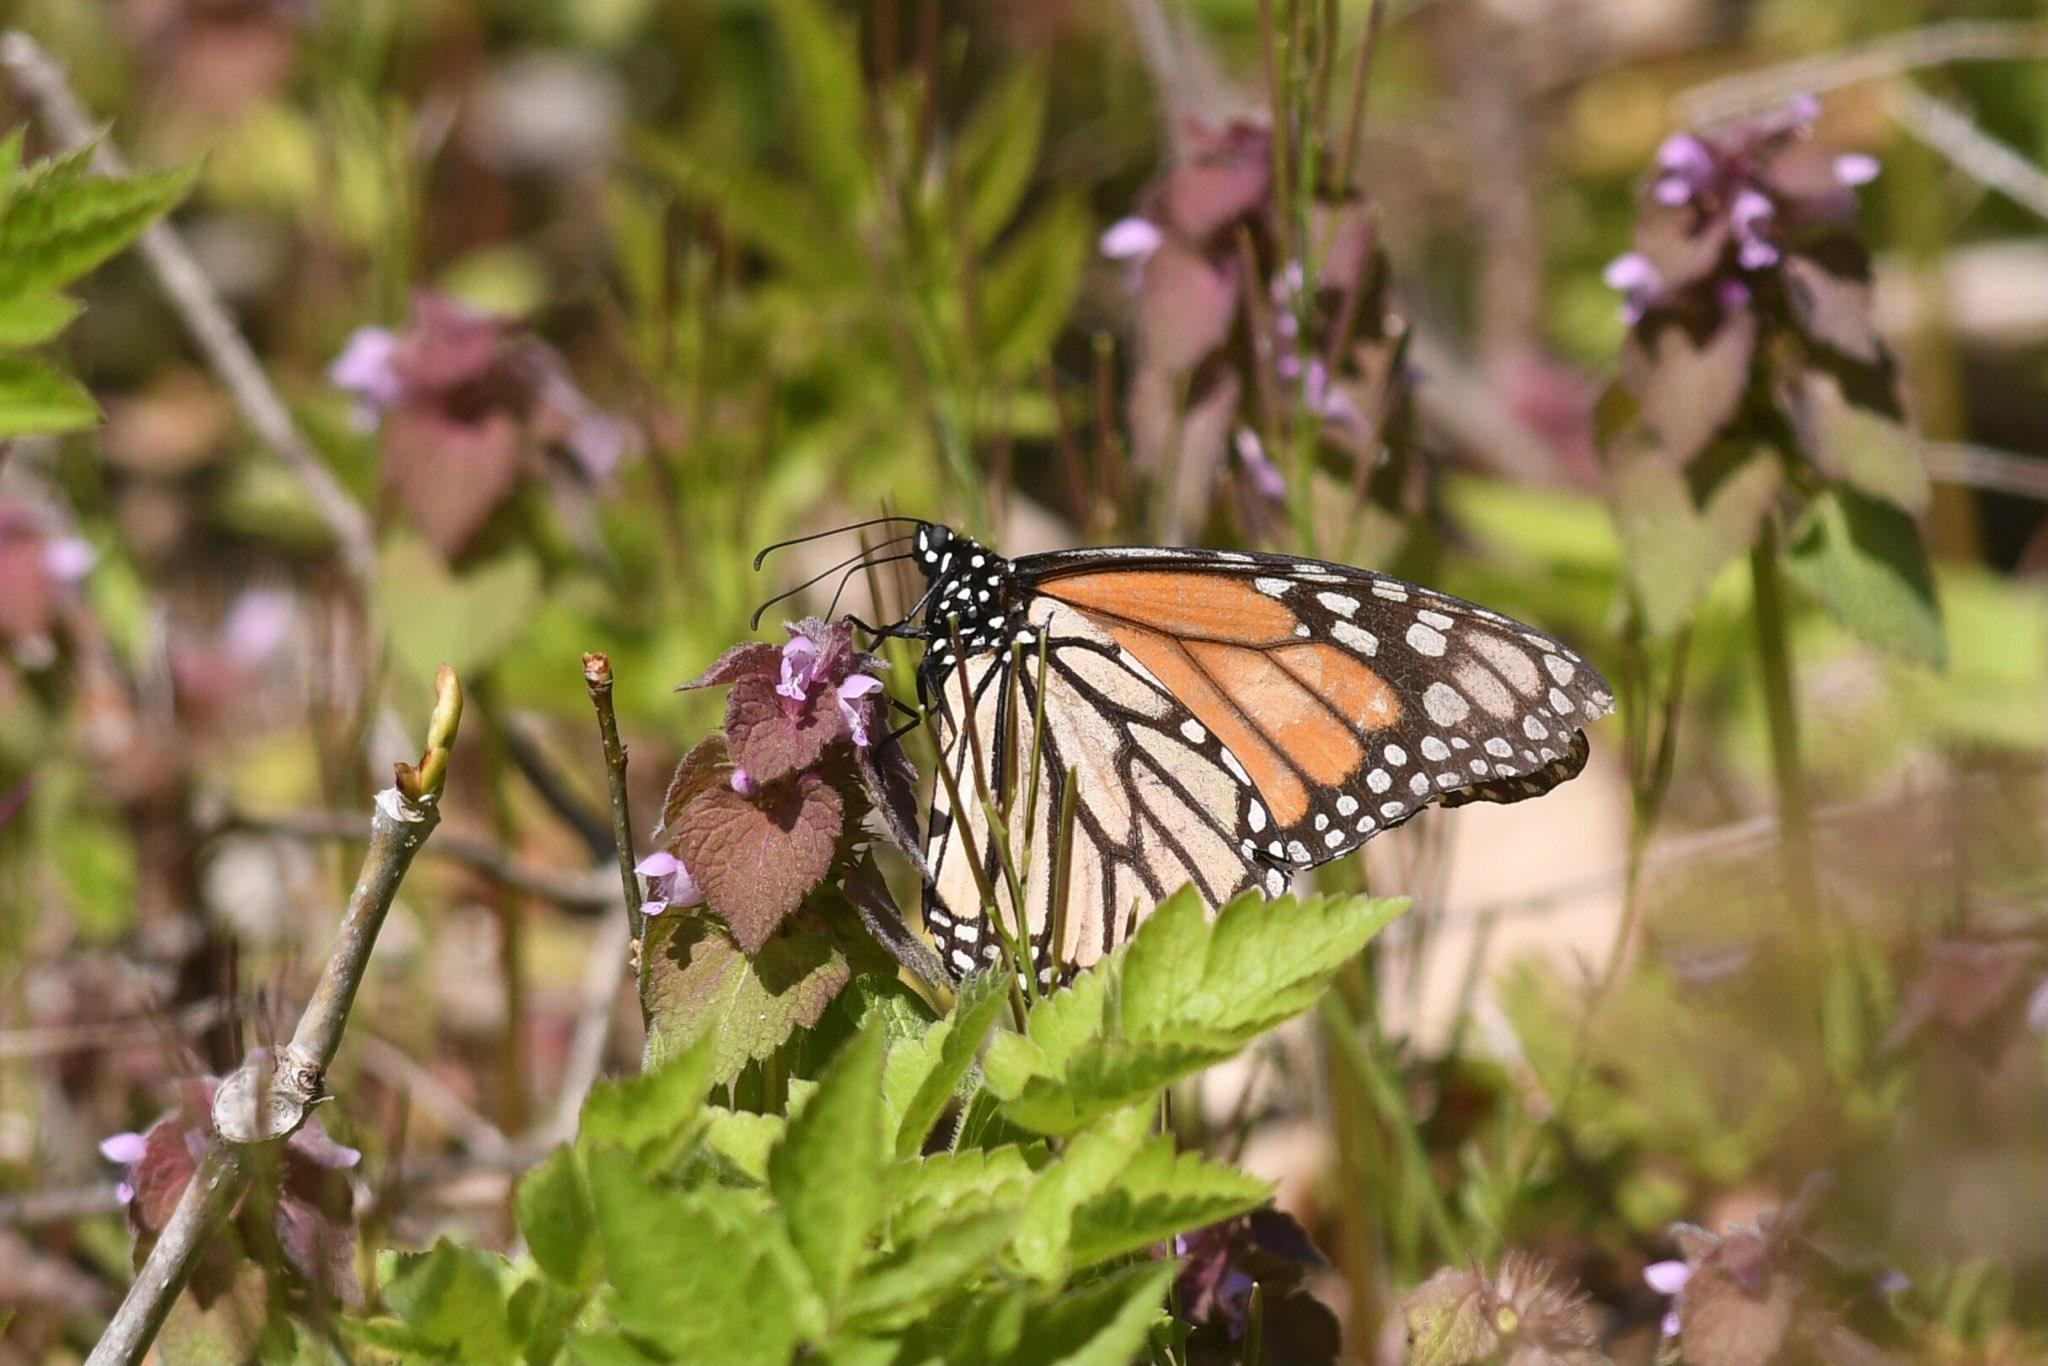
{"x":971,"y":593}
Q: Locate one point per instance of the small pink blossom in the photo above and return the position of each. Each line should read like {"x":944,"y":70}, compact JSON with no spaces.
{"x":364,"y":371}
{"x":1131,"y":239}
{"x":68,"y":559}
{"x":1669,"y":1278}
{"x":1856,"y":168}
{"x":668,"y":883}
{"x":799,"y":668}
{"x":1266,"y":476}
{"x":851,"y":691}
{"x":743,"y":783}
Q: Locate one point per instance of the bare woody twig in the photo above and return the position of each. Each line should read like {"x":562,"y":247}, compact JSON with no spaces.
{"x":591,"y":890}
{"x":1963,"y":40}
{"x":265,"y":1101}
{"x":597,"y":679}
{"x":37,"y":75}
{"x":1970,"y":149}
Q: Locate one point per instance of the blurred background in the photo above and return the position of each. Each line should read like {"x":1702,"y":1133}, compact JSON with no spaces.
{"x":583,"y":304}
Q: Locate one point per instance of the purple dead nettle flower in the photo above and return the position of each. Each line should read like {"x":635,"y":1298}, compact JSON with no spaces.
{"x":1734,"y":199}
{"x":41,"y":567}
{"x":465,"y":403}
{"x":668,"y":883}
{"x":1668,"y":1279}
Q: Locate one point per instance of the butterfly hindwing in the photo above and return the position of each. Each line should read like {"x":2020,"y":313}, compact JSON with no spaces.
{"x":1228,"y":719}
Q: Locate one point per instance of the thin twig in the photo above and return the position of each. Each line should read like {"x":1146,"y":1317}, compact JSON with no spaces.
{"x":1984,"y":467}
{"x":1970,"y":149}
{"x":1962,"y":40}
{"x":597,"y":679}
{"x":587,"y":891}
{"x":38,"y":76}
{"x":266,"y":1101}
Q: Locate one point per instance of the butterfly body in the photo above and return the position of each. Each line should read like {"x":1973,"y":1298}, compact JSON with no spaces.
{"x":1226,"y":718}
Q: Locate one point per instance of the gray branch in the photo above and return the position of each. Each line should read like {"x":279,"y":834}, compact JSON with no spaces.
{"x":267,"y":1099}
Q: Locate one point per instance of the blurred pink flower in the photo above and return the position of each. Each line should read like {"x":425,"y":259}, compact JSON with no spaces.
{"x":1668,"y":1279}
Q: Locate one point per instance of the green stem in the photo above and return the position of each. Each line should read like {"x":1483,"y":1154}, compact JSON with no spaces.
{"x":1774,"y":660}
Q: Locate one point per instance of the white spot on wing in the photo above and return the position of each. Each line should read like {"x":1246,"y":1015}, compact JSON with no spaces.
{"x":1560,"y":668}
{"x":1445,"y":704}
{"x":1358,"y":639}
{"x":1342,"y":605}
{"x":1272,"y":588}
{"x":1425,"y":640}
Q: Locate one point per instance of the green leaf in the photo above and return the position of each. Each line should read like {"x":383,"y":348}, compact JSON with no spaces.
{"x":467,"y":621}
{"x":452,"y":1299}
{"x":1677,"y":532}
{"x":1108,"y":1074}
{"x":940,"y":1061}
{"x":36,"y":400}
{"x":1104,"y":1323}
{"x":553,"y":1211}
{"x":743,"y":1141}
{"x":1028,"y":291}
{"x":701,"y":986}
{"x":1160,"y":1194}
{"x":1849,"y":423}
{"x":998,"y":150}
{"x":696,"y":1275}
{"x":897,"y":1287}
{"x":31,"y":319}
{"x":1084,"y":1171}
{"x":653,"y":1114}
{"x":59,"y":223}
{"x":541,"y":1314}
{"x":928,"y":1191}
{"x":1862,"y":560}
{"x":829,"y":99}
{"x":825,"y":1173}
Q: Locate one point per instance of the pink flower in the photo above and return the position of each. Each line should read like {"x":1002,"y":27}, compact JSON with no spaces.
{"x":668,"y":883}
{"x":1749,"y":214}
{"x":1669,"y":1278}
{"x":364,"y":371}
{"x":1131,"y":239}
{"x":1856,"y":168}
{"x":1266,"y":476}
{"x":857,"y":715}
{"x":799,"y":668}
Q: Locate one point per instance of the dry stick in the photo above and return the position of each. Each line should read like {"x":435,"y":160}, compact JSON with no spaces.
{"x":587,"y":891}
{"x":265,"y":1101}
{"x":1933,"y":45}
{"x":39,"y":77}
{"x":1970,"y":149}
{"x":597,"y":679}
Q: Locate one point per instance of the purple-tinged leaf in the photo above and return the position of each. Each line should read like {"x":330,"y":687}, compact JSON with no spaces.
{"x":772,"y":737}
{"x":1689,"y":375}
{"x":750,"y":659}
{"x":700,"y":982}
{"x":756,"y":860}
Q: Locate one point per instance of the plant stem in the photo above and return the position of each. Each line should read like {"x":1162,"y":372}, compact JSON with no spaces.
{"x":265,"y":1102}
{"x":597,"y":679}
{"x":1774,"y":660}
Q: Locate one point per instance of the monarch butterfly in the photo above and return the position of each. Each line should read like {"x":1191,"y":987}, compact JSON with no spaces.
{"x":1225,"y":718}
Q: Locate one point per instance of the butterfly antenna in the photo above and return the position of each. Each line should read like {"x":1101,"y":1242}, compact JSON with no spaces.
{"x":867,"y":565}
{"x":821,"y":535}
{"x":754,"y":622}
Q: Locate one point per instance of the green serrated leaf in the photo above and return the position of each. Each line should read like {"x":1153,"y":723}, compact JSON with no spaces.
{"x":1105,"y":1075}
{"x":453,"y":1299}
{"x":941,"y":1060}
{"x":927,"y":1191}
{"x":824,"y":1172}
{"x":38,"y":401}
{"x":1159,"y":1195}
{"x":700,"y":986}
{"x":59,"y":223}
{"x":1088,"y":1166}
{"x":743,"y":1141}
{"x":1862,"y":560}
{"x":541,"y":1315}
{"x":553,"y":1211}
{"x":1104,"y":1323}
{"x":32,"y":319}
{"x":897,"y":1287}
{"x":696,"y":1275}
{"x":655,"y":1114}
